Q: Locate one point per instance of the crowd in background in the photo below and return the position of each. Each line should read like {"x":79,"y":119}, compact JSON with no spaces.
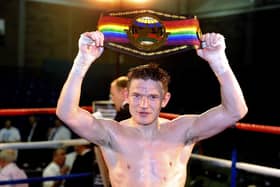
{"x":46,"y":162}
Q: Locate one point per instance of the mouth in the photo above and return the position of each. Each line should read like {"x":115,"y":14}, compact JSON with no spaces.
{"x":143,"y":114}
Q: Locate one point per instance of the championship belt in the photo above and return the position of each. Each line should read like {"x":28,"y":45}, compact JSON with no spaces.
{"x":149,"y":34}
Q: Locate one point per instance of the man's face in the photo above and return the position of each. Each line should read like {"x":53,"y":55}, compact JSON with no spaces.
{"x":117,"y":95}
{"x":8,"y":124}
{"x":60,"y":157}
{"x":146,"y":98}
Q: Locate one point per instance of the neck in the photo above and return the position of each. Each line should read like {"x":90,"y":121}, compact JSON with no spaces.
{"x":147,"y":131}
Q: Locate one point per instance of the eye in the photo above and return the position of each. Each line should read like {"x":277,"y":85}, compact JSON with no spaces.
{"x":136,"y":95}
{"x":153,"y":97}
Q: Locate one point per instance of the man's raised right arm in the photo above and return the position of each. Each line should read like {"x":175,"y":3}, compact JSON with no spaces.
{"x":68,"y":110}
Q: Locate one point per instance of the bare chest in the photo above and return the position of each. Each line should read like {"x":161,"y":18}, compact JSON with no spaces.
{"x":159,"y":160}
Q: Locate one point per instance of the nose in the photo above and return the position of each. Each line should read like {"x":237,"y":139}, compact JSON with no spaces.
{"x":144,"y":102}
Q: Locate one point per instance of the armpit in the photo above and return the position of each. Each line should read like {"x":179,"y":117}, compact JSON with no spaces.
{"x":103,"y":142}
{"x":104,"y":138}
{"x":190,"y":138}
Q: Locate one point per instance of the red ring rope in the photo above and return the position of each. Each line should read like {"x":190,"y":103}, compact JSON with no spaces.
{"x":29,"y":111}
{"x":241,"y":126}
{"x":258,"y":128}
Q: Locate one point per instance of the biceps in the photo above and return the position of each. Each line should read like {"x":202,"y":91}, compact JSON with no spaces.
{"x":100,"y":135}
{"x":97,"y":134}
{"x":210,"y":123}
{"x":92,"y":129}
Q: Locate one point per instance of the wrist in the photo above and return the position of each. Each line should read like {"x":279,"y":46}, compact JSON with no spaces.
{"x":219,"y":65}
{"x":80,"y":65}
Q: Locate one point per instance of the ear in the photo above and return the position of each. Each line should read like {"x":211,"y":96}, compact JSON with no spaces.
{"x":125,"y":93}
{"x":166,"y":99}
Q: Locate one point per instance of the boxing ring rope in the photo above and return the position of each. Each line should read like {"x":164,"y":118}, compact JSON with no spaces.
{"x":29,"y":111}
{"x":268,"y":171}
{"x":241,"y":126}
{"x":41,"y":179}
{"x":43,"y":144}
{"x":216,"y":161}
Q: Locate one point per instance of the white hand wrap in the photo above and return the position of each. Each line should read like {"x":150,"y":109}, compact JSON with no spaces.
{"x":84,"y":59}
{"x":80,"y":65}
{"x":220,"y":66}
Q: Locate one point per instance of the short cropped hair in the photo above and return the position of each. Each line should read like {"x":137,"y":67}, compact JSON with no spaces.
{"x":121,"y":82}
{"x":57,"y":151}
{"x":150,"y":71}
{"x":8,"y":155}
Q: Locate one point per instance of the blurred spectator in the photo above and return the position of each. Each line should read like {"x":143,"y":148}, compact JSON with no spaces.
{"x":35,"y":131}
{"x":70,"y":158}
{"x":32,"y":158}
{"x":9,"y":133}
{"x":118,"y":92}
{"x":59,"y":131}
{"x":8,"y":168}
{"x":56,"y":167}
{"x":84,"y":162}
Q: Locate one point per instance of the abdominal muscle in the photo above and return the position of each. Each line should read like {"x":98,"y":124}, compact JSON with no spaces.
{"x":148,"y":165}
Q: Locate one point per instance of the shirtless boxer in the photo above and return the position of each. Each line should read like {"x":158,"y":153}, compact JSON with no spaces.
{"x":145,"y":150}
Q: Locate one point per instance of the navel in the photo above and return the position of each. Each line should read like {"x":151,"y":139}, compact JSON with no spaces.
{"x":170,"y":164}
{"x":128,"y":166}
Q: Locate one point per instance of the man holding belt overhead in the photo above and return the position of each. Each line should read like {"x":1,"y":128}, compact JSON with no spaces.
{"x":146,"y":150}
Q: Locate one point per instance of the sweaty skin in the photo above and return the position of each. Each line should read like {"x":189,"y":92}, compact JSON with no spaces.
{"x":147,"y":155}
{"x":145,"y":150}
{"x":138,"y":160}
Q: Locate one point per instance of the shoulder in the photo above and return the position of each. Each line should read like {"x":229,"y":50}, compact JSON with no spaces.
{"x":14,"y":129}
{"x":63,"y":130}
{"x":164,"y":121}
{"x":117,"y":129}
{"x":14,"y":171}
{"x":20,"y":173}
{"x":179,"y":119}
{"x":183,"y":119}
{"x":105,"y":130}
{"x":181,"y":123}
{"x":52,"y":167}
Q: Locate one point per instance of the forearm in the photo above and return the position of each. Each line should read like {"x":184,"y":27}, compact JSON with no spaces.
{"x":68,"y":102}
{"x":231,"y":109}
{"x":232,"y":98}
{"x":219,"y":64}
{"x":69,"y":98}
{"x":233,"y":103}
{"x":233,"y":106}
